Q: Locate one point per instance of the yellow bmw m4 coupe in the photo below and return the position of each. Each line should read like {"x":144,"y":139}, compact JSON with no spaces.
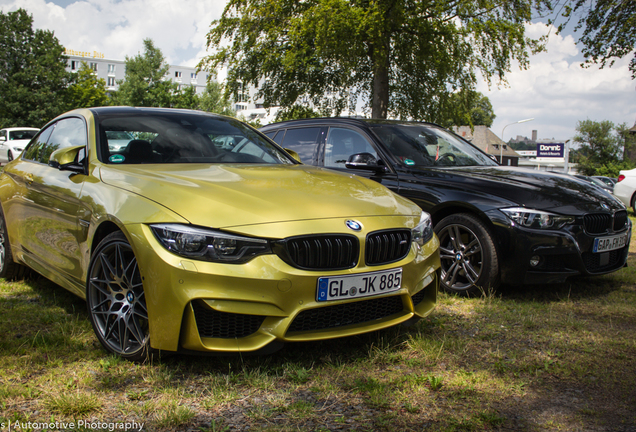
{"x":199,"y":234}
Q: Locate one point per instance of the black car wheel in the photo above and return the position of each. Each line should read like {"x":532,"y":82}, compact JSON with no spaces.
{"x":468,"y":254}
{"x":9,"y":156}
{"x":9,"y":270}
{"x":115,"y":299}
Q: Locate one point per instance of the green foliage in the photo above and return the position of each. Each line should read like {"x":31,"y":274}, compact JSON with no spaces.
{"x":33,"y":76}
{"x":296,"y":112}
{"x":467,"y":107}
{"x":144,"y":83}
{"x":602,"y":147}
{"x":402,"y":58}
{"x":609,"y":28}
{"x":214,"y":100}
{"x":87,"y":90}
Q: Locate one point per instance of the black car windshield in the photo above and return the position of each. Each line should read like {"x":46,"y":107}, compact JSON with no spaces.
{"x":422,"y":145}
{"x":182,"y":137}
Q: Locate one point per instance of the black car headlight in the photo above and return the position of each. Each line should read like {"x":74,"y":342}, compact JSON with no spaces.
{"x":209,"y":245}
{"x":423,"y":232}
{"x":537,"y":219}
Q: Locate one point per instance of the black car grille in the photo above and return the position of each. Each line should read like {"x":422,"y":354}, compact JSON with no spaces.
{"x":600,"y":223}
{"x":346,"y":314}
{"x":597,"y":223}
{"x":321,"y":252}
{"x":385,"y":247}
{"x":593,"y":261}
{"x":214,"y":324}
{"x":620,"y":220}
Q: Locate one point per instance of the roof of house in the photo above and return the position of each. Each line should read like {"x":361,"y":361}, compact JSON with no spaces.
{"x":485,"y":139}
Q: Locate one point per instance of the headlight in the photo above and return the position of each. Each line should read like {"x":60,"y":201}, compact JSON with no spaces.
{"x":209,"y":245}
{"x":537,"y":219}
{"x":423,"y":232}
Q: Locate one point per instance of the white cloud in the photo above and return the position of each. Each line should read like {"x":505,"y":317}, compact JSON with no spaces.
{"x":117,"y":28}
{"x":557,"y":92}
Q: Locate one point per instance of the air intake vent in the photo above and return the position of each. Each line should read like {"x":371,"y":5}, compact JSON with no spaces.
{"x":384,"y":247}
{"x":344,"y":314}
{"x":321,"y":252}
{"x":214,"y":324}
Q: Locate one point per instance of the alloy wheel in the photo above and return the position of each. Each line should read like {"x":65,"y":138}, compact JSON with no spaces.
{"x":116,"y":300}
{"x":461,"y":257}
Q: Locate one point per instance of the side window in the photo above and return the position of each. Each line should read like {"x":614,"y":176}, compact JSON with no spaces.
{"x":3,"y":134}
{"x":303,"y":141}
{"x":31,"y":152}
{"x":342,"y":143}
{"x":69,"y":132}
{"x":278,"y":139}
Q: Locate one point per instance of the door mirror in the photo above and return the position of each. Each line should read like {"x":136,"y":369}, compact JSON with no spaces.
{"x":365,"y":161}
{"x":66,"y":159}
{"x":293,"y":154}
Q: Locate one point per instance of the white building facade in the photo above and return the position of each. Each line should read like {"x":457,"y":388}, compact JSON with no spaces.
{"x":113,"y":71}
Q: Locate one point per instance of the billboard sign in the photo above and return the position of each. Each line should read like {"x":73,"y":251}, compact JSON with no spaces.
{"x":554,"y":150}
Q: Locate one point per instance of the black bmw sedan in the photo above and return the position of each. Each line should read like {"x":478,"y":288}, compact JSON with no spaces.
{"x":496,"y":224}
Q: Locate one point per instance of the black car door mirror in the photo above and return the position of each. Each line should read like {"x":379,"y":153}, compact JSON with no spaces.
{"x":365,"y":161}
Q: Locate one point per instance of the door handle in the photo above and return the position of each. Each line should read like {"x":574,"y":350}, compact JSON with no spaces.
{"x":28,"y":178}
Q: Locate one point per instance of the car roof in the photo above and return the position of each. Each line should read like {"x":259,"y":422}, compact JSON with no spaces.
{"x":19,"y":128}
{"x":342,"y":121}
{"x":115,"y":110}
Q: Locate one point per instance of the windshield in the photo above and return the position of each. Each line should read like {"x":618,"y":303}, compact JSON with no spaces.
{"x":422,"y":145}
{"x":182,"y":137}
{"x":22,"y":134}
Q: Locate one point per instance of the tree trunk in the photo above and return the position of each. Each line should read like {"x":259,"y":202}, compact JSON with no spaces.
{"x":380,"y":102}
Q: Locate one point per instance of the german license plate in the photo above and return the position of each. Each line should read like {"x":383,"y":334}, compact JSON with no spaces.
{"x":604,"y":244}
{"x":359,"y":285}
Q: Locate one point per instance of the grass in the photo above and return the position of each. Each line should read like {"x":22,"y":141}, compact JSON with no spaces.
{"x":556,"y":357}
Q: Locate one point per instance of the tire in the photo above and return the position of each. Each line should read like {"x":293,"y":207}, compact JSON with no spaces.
{"x":9,"y":156}
{"x":9,"y":269}
{"x":468,"y":254}
{"x":116,"y":301}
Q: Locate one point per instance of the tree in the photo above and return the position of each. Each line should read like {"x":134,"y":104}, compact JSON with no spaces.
{"x":296,"y":112}
{"x":609,"y":28}
{"x":33,"y":76}
{"x":87,"y":90}
{"x":467,"y":107}
{"x":214,"y":100}
{"x":602,"y":147}
{"x":401,"y":57}
{"x":144,"y":84}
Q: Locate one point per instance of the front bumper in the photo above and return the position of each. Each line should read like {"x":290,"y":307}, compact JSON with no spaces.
{"x":203,"y":306}
{"x":562,"y":254}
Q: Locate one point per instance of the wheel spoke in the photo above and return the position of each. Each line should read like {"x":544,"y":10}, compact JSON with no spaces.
{"x":470,"y":271}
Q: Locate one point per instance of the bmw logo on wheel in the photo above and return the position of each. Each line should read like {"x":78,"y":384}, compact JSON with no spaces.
{"x":353,"y":225}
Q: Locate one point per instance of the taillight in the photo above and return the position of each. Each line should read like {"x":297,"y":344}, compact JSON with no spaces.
{"x":621,"y":177}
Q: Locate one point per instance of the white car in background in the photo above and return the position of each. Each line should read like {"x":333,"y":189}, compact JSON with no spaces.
{"x":13,"y":141}
{"x":625,"y":188}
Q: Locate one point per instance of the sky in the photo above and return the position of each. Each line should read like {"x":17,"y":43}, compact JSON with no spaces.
{"x":555,"y":91}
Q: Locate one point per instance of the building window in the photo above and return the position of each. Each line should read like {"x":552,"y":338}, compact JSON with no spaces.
{"x":111,"y":68}
{"x":111,"y":82}
{"x":94,"y":66}
{"x":75,"y":65}
{"x":177,"y":74}
{"x":193,"y":75}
